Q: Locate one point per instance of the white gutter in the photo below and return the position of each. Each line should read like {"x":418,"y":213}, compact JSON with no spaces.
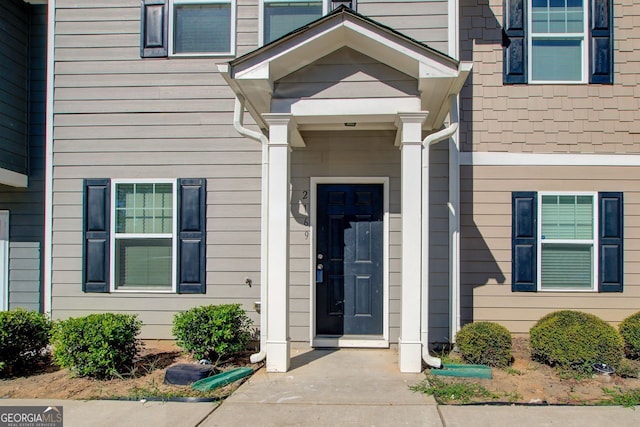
{"x":47,"y":287}
{"x":424,"y":326}
{"x":238,"y":114}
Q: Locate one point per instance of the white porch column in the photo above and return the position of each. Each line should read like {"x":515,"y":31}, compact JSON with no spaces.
{"x":278,"y":243}
{"x":409,"y":343}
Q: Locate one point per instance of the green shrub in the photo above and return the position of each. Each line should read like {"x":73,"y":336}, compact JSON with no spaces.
{"x":24,"y":336}
{"x":629,"y":369}
{"x":212,"y":331}
{"x":485,"y":343}
{"x":630,"y":331}
{"x":99,"y":345}
{"x":575,"y":340}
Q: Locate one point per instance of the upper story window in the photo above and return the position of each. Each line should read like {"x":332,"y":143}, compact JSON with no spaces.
{"x":187,"y":28}
{"x":201,"y":27}
{"x":280,"y":17}
{"x":558,"y":41}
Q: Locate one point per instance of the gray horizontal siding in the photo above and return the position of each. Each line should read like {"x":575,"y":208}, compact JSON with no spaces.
{"x":133,"y":118}
{"x":26,"y":206}
{"x":425,"y":21}
{"x":14,"y":63}
{"x":119,"y":116}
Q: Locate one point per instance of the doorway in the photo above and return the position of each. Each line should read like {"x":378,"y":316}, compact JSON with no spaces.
{"x":349,"y":260}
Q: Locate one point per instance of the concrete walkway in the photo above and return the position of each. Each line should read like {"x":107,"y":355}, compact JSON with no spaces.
{"x":330,"y":388}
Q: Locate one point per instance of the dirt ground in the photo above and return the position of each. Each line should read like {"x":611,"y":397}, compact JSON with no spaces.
{"x":146,"y":380}
{"x":525,"y":381}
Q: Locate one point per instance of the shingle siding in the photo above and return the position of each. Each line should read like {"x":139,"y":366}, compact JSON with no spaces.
{"x":548,"y":118}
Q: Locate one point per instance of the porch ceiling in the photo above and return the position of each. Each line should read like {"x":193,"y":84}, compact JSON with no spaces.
{"x":253,"y":76}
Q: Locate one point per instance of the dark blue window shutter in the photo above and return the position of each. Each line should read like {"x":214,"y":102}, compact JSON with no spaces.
{"x":611,"y":242}
{"x":514,"y":42}
{"x":154,"y":26}
{"x":95,"y":229}
{"x":601,"y":41}
{"x":192,"y":236}
{"x":524,"y":241}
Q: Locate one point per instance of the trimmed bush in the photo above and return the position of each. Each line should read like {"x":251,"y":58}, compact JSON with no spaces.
{"x":98,"y":345}
{"x":24,"y":336}
{"x":630,"y":331}
{"x":212,"y":331}
{"x":485,"y":343}
{"x":575,"y":340}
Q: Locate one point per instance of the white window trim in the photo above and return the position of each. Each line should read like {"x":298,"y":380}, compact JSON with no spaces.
{"x":174,"y":236}
{"x":232,"y":39}
{"x":585,"y":46}
{"x":325,"y":10}
{"x":594,"y":241}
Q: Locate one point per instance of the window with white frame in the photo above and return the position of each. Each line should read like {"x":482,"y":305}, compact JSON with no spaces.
{"x":203,"y":27}
{"x":283,"y":16}
{"x":558,"y":43}
{"x":143,"y":242}
{"x":567,"y":241}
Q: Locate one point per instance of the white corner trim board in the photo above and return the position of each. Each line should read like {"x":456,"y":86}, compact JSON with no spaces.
{"x":536,"y":159}
{"x":47,"y":296}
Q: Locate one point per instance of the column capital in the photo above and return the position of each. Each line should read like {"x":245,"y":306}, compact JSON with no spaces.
{"x":409,"y":126}
{"x":277,"y":119}
{"x":411,"y":117}
{"x":279,"y":128}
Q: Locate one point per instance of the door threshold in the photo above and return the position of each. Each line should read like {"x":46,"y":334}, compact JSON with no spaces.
{"x":350,"y":341}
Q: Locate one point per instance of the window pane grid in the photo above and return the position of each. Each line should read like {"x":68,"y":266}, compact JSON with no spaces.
{"x":144,"y":208}
{"x":557,"y":16}
{"x":567,"y":218}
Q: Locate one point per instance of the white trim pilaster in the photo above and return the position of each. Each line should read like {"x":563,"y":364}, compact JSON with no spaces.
{"x":4,"y":260}
{"x":409,"y":343}
{"x":278,"y":177}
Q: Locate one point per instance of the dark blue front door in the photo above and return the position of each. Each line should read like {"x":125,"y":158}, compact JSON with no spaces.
{"x":349,"y":252}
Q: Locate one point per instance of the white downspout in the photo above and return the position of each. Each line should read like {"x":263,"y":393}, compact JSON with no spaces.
{"x":424,"y":327}
{"x":454,"y":226}
{"x":238,"y":114}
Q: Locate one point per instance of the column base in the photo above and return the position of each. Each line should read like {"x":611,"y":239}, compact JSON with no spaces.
{"x":278,"y":356}
{"x":410,"y":356}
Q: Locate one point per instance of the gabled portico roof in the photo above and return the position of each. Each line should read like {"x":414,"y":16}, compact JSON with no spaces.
{"x":253,"y":75}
